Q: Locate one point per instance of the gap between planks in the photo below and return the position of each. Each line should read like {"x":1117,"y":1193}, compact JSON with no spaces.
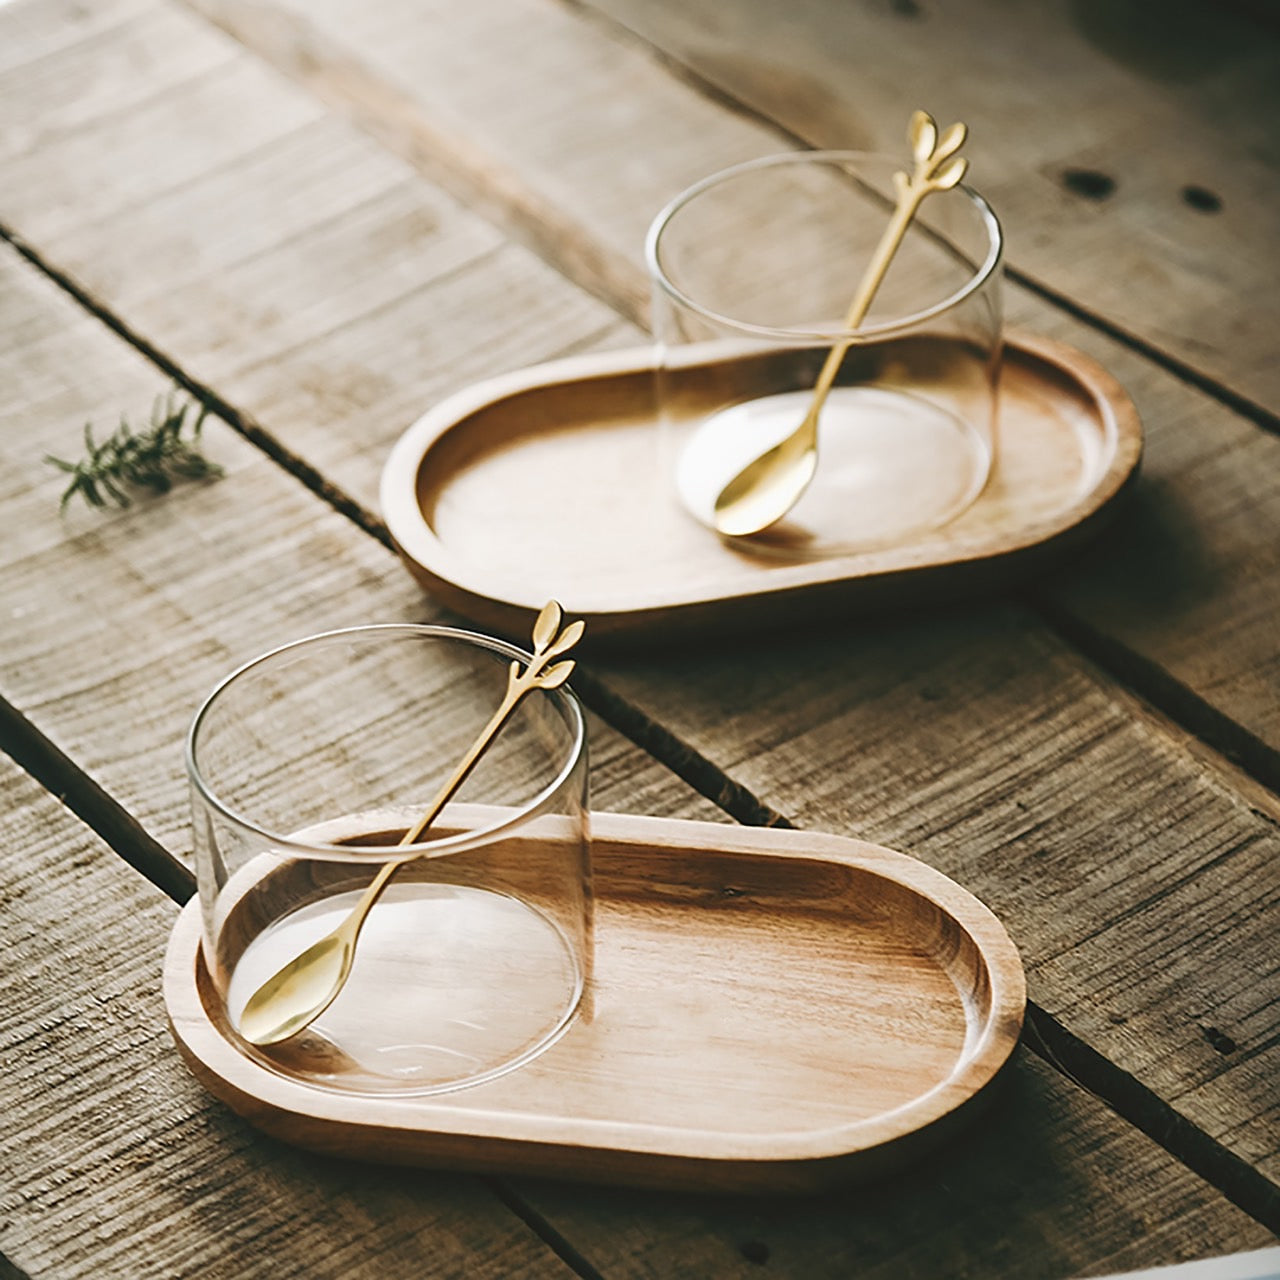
{"x":541,"y":1227}
{"x":243,"y":423}
{"x":1180,"y":703}
{"x":95,"y":807}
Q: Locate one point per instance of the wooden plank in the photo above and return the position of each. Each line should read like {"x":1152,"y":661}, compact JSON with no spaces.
{"x":1003,"y":663}
{"x":1134,"y":166}
{"x":96,"y":49}
{"x":1193,"y":631}
{"x":33,"y":36}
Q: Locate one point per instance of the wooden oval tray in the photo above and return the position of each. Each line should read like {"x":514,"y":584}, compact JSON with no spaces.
{"x":769,"y":1010}
{"x":547,"y":483}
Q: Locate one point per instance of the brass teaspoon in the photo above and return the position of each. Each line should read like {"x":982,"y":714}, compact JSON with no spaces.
{"x":303,"y":989}
{"x":770,"y":485}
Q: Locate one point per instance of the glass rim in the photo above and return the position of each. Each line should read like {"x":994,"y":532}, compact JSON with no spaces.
{"x":563,"y":697}
{"x":657,"y":274}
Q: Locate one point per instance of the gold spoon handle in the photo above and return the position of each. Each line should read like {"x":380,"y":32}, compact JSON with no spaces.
{"x":764,"y":490}
{"x":549,"y":642}
{"x":936,"y":169}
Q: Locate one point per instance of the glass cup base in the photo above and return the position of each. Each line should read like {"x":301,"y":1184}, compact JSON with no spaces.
{"x":891,"y":467}
{"x":451,"y":985}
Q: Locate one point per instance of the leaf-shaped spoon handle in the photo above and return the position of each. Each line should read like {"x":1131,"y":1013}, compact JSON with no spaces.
{"x":297,"y":994}
{"x":935,"y":170}
{"x":548,"y":642}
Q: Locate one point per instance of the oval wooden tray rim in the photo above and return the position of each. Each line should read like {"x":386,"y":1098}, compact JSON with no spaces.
{"x":435,"y":562}
{"x":249,"y":1088}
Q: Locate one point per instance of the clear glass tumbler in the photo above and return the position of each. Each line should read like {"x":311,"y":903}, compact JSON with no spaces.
{"x":753,"y":271}
{"x":307,"y":766}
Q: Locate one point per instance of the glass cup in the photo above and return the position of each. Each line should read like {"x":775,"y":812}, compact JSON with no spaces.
{"x":307,"y":766}
{"x":753,"y":271}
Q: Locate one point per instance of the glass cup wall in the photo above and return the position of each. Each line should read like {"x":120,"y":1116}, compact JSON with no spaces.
{"x":753,"y":271}
{"x":306,"y":768}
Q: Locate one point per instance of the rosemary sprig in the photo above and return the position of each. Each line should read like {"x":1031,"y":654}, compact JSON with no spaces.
{"x":149,"y":459}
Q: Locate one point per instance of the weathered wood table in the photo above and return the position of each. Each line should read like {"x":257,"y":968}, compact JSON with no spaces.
{"x":319,"y":218}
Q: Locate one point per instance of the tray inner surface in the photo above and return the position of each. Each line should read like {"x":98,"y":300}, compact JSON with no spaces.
{"x":737,"y":1005}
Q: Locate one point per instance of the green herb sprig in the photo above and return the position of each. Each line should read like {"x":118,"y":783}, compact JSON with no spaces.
{"x":149,"y":459}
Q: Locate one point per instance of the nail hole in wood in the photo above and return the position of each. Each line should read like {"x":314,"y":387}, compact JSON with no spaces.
{"x":1202,"y":198}
{"x":1222,"y":1042}
{"x":1090,"y":183}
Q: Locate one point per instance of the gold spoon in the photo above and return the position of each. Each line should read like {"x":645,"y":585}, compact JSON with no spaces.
{"x":770,"y":485}
{"x":294,"y":997}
